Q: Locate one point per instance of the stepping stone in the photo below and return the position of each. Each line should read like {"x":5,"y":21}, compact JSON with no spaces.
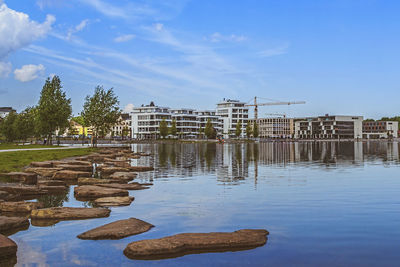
{"x":107,"y":171}
{"x":190,"y":243}
{"x":19,"y":206}
{"x":52,"y":183}
{"x":70,"y":175}
{"x":113,"y":201}
{"x":131,"y":186}
{"x":8,"y":224}
{"x":8,"y":248}
{"x":117,"y":230}
{"x":126,"y":176}
{"x":22,"y":190}
{"x":82,"y":168}
{"x":53,"y":188}
{"x":92,"y":192}
{"x":44,"y":172}
{"x":42,"y":164}
{"x":73,"y":162}
{"x":92,"y":181}
{"x":67,"y":213}
{"x":23,"y":177}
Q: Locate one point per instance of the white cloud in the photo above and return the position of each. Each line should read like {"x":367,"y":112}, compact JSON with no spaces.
{"x":17,"y":30}
{"x":124,"y":38}
{"x":280,"y":50}
{"x":82,"y":25}
{"x":28,"y":72}
{"x":217,"y":37}
{"x":159,"y":27}
{"x":128,"y":108}
{"x":5,"y":68}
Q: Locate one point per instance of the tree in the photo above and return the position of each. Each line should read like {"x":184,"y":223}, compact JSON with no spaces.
{"x":209,"y":129}
{"x":255,"y":130}
{"x":125,"y":131}
{"x":238,"y":130}
{"x":172,"y":129}
{"x":163,"y":128}
{"x":248,"y":130}
{"x":7,"y":127}
{"x":101,"y":111}
{"x":54,"y":108}
{"x":24,"y":125}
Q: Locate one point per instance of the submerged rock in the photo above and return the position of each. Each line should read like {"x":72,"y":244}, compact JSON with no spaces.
{"x":189,"y":243}
{"x":70,"y":175}
{"x":117,"y":230}
{"x":13,"y":224}
{"x":92,"y":192}
{"x":45,"y":172}
{"x":131,"y":186}
{"x":8,"y":248}
{"x":113,"y":201}
{"x":19,"y":206}
{"x":67,"y":213}
{"x":23,"y":177}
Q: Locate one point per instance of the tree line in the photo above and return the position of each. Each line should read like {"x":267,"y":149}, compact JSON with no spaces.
{"x":51,"y":116}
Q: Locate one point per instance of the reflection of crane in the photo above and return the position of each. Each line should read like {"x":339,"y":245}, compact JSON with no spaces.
{"x":255,"y":105}
{"x":276,"y":114}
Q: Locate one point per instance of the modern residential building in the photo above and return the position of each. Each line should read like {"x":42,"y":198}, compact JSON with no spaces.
{"x":203,"y":116}
{"x":329,"y":127}
{"x":4,"y":111}
{"x":230,"y":112}
{"x":186,"y":122}
{"x":123,"y":126}
{"x":275,"y":127}
{"x":380,"y":129}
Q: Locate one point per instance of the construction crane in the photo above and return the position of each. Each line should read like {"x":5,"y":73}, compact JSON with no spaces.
{"x":279,"y":103}
{"x":276,"y":114}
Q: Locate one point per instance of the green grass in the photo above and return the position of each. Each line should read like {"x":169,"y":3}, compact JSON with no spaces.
{"x":17,"y":146}
{"x":15,"y":161}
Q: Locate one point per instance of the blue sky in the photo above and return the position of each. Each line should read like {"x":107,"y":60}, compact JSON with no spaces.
{"x":340,"y":56}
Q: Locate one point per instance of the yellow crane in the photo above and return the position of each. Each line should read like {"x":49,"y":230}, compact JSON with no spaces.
{"x":278,"y":103}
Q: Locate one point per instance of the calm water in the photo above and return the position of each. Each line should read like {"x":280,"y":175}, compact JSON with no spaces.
{"x":324,"y":204}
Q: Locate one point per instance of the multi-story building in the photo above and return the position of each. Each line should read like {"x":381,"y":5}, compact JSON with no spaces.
{"x":230,"y":113}
{"x":4,"y":111}
{"x":123,"y":126}
{"x":329,"y":127}
{"x":203,"y":116}
{"x":186,"y":122}
{"x":146,"y":120}
{"x":275,"y":127}
{"x":380,"y":129}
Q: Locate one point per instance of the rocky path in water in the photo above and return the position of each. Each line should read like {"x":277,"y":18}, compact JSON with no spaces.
{"x":104,"y":179}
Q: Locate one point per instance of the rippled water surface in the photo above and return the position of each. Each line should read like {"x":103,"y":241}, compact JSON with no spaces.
{"x":323,"y":204}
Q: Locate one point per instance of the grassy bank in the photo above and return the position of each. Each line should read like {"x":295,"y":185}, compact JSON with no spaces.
{"x":5,"y":146}
{"x":15,"y":161}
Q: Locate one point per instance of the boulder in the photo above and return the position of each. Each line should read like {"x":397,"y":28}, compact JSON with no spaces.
{"x":22,"y":190}
{"x":92,"y":192}
{"x":82,"y":168}
{"x":127,"y":176}
{"x":67,"y":213}
{"x":12,"y":224}
{"x":91,"y":181}
{"x":8,"y":248}
{"x":131,"y":186}
{"x":18,"y":206}
{"x":42,"y":164}
{"x":45,"y":172}
{"x":51,"y":183}
{"x":141,"y":168}
{"x":22,"y":177}
{"x":113,"y":201}
{"x":70,"y":175}
{"x":117,"y":230}
{"x":189,"y":243}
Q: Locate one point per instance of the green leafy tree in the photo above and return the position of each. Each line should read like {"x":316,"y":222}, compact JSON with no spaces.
{"x":7,"y":127}
{"x":101,"y":111}
{"x":125,"y":131}
{"x":24,"y":125}
{"x":54,"y":108}
{"x":201,"y":132}
{"x":163,"y":128}
{"x":248,"y":130}
{"x":238,"y":130}
{"x":209,"y":129}
{"x":172,"y":129}
{"x":255,"y":130}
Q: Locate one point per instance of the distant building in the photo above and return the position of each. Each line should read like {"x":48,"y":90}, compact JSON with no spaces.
{"x":124,"y":123}
{"x":275,"y":127}
{"x":4,"y":111}
{"x":203,"y":116}
{"x":78,"y":129}
{"x":329,"y":127}
{"x":380,"y":129}
{"x":186,"y":122}
{"x":230,"y":112}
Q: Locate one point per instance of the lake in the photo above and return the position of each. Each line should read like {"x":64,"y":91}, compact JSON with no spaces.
{"x":324,"y":203}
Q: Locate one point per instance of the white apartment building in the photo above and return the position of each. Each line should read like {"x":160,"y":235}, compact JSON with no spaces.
{"x":123,"y":124}
{"x":275,"y":127}
{"x":329,"y":127}
{"x":204,"y":115}
{"x":230,"y":113}
{"x":380,"y":129}
{"x":4,"y":111}
{"x":186,"y":122}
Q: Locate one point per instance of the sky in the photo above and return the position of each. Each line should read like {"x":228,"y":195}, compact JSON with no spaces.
{"x":340,"y":56}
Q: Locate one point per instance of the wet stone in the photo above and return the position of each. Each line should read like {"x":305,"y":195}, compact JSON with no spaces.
{"x":131,"y":186}
{"x":127,"y":176}
{"x":67,"y":213}
{"x":8,"y":248}
{"x":70,"y":175}
{"x":189,"y":243}
{"x":117,"y":230}
{"x":22,"y":190}
{"x":12,"y":224}
{"x":22,"y":177}
{"x":92,"y":181}
{"x":113,"y":201}
{"x":19,"y":206}
{"x":93,"y":192}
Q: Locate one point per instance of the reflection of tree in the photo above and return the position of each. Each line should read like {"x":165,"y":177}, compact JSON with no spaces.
{"x":162,"y":155}
{"x":172,"y":156}
{"x":238,"y":154}
{"x":58,"y":200}
{"x":210,"y":154}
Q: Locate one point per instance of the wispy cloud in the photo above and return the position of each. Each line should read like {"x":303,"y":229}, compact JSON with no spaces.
{"x":276,"y":51}
{"x":218,"y":37}
{"x":82,"y":25}
{"x":124,"y":38}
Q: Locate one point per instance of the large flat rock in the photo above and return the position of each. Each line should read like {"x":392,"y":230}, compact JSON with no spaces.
{"x":72,"y":162}
{"x":113,"y":201}
{"x":8,"y":248}
{"x":42,"y":164}
{"x":44,"y":172}
{"x":117,"y":230}
{"x":126,"y":176}
{"x":22,"y":190}
{"x":82,"y":168}
{"x":19,"y":206}
{"x":92,"y":181}
{"x":70,"y":175}
{"x":92,"y":192}
{"x":13,"y":224}
{"x":67,"y":213}
{"x":52,"y":183}
{"x":190,"y":243}
{"x":107,"y":170}
{"x":22,"y":177}
{"x":131,"y":186}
